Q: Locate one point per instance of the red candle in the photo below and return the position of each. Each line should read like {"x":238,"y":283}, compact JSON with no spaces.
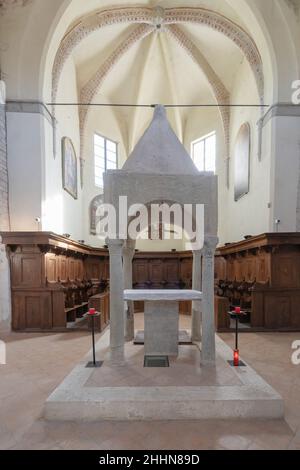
{"x":236,"y":358}
{"x":92,"y":311}
{"x":237,"y":310}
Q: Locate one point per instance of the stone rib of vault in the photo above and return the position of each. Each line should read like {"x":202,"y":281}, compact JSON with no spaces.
{"x":159,"y":151}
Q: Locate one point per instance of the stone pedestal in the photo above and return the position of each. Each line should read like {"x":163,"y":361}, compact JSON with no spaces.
{"x":161,"y":328}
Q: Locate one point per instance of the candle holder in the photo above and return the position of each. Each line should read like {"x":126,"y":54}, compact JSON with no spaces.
{"x":236,"y":353}
{"x":92,"y":314}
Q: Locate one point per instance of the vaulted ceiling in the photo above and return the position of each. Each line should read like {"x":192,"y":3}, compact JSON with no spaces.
{"x":159,"y":52}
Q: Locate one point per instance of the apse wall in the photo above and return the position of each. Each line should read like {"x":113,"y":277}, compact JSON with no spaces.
{"x":250,"y":215}
{"x":61,"y":212}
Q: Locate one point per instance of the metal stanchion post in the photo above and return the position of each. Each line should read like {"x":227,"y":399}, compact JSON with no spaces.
{"x":92,"y":314}
{"x":236,"y":353}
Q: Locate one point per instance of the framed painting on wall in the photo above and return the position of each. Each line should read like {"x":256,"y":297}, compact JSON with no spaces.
{"x":69,"y":167}
{"x":242,"y":162}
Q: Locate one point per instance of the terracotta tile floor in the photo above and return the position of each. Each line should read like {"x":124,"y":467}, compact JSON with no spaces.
{"x":38,"y":363}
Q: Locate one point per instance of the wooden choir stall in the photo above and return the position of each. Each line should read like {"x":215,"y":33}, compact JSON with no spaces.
{"x":262,"y":275}
{"x":163,"y":270}
{"x":53,"y":279}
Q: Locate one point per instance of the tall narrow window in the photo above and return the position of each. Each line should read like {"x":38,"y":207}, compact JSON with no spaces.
{"x":106,"y":158}
{"x":204,"y":152}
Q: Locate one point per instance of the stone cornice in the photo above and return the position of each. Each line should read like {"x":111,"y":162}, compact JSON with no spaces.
{"x":30,"y":107}
{"x":280,"y":110}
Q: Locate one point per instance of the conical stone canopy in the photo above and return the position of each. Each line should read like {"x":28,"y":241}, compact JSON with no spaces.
{"x":160,"y":151}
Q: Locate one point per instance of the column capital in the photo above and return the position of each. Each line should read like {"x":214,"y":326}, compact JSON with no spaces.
{"x":129,"y":247}
{"x":198,"y":252}
{"x":115,"y":246}
{"x":209,"y":246}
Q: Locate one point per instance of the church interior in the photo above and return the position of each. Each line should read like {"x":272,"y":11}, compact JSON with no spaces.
{"x":150,"y":342}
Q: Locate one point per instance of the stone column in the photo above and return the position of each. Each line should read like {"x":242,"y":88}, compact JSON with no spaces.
{"x":128,"y":253}
{"x":208,"y":346}
{"x":116,"y":302}
{"x":196,"y":305}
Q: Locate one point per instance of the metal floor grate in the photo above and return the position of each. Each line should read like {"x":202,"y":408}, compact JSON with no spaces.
{"x":156,"y":361}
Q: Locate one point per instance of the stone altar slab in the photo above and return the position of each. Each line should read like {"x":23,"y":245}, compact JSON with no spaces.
{"x":162,"y":294}
{"x":161,"y":334}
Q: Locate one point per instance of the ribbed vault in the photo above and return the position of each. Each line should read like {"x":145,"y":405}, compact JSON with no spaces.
{"x":152,"y":21}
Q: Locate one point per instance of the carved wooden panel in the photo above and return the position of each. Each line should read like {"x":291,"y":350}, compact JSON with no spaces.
{"x":71,"y":269}
{"x":140,"y":271}
{"x":51,"y":267}
{"x":186,"y":271}
{"x":63,"y":275}
{"x":295,"y":311}
{"x":277,"y":311}
{"x":94,"y":268}
{"x":171,"y":270}
{"x":27,"y":270}
{"x":286,"y":270}
{"x":250,"y":273}
{"x":156,"y":274}
{"x":262,"y":268}
{"x":32,"y":311}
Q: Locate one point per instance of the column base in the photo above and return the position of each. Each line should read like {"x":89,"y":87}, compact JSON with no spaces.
{"x":116,"y":356}
{"x":196,"y":325}
{"x":129,"y":334}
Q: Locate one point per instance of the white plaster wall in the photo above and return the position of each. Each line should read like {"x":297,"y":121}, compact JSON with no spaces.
{"x":250,"y":214}
{"x":61,"y":212}
{"x":25,"y":150}
{"x":285,"y":172}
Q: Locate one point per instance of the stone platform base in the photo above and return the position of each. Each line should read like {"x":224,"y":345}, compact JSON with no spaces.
{"x":183,"y":391}
{"x":183,"y":337}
